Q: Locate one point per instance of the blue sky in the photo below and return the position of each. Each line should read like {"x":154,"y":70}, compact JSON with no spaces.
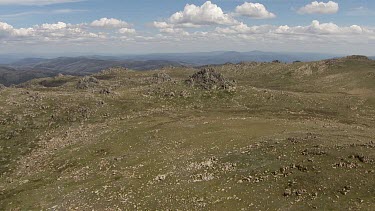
{"x":149,"y":26}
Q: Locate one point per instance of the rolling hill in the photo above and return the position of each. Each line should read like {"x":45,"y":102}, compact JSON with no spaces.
{"x":250,"y":136}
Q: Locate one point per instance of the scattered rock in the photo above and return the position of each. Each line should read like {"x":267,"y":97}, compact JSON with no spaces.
{"x":226,"y":167}
{"x":184,"y":94}
{"x":313,"y":151}
{"x":207,"y":164}
{"x":302,"y":168}
{"x":2,"y":87}
{"x":170,"y":94}
{"x":203,"y":177}
{"x":363,"y":159}
{"x":105,"y":91}
{"x":346,"y":164}
{"x":299,"y":192}
{"x":161,"y":78}
{"x":160,"y":177}
{"x":345,"y":190}
{"x":288,"y":192}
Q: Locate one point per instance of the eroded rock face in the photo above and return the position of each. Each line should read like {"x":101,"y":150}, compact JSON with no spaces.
{"x":87,"y":82}
{"x":209,"y":79}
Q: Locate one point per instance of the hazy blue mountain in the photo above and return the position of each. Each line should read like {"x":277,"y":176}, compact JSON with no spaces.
{"x":85,"y":65}
{"x":19,"y":69}
{"x":27,"y":61}
{"x":195,"y":58}
{"x":9,"y":76}
{"x":29,"y":68}
{"x":221,"y":57}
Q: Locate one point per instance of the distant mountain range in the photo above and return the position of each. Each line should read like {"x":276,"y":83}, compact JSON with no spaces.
{"x":9,"y":76}
{"x":29,"y":68}
{"x":195,"y":58}
{"x":17,"y":69}
{"x":87,"y":65}
{"x":221,"y":57}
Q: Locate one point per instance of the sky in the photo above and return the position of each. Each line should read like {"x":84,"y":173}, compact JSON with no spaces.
{"x":167,"y":26}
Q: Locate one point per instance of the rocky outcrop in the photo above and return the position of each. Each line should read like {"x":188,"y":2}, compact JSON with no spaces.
{"x":209,"y":79}
{"x":87,"y":82}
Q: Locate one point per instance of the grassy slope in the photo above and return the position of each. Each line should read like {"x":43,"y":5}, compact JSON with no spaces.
{"x":304,"y":127}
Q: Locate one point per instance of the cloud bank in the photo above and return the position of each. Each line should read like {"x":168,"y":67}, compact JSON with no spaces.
{"x":194,"y":28}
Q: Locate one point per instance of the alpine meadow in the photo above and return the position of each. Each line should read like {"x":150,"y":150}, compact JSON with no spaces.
{"x":187,"y":105}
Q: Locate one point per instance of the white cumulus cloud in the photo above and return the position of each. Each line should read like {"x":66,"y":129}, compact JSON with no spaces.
{"x":315,"y":36}
{"x":162,"y":25}
{"x":54,"y":26}
{"x":109,"y":23}
{"x":320,"y":8}
{"x":5,"y":27}
{"x":254,"y":10}
{"x":66,"y":32}
{"x":127,"y":31}
{"x":207,"y":14}
{"x":7,"y":30}
{"x":315,"y":28}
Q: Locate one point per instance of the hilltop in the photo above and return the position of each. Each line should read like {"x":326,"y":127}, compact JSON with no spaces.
{"x":252,"y":135}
